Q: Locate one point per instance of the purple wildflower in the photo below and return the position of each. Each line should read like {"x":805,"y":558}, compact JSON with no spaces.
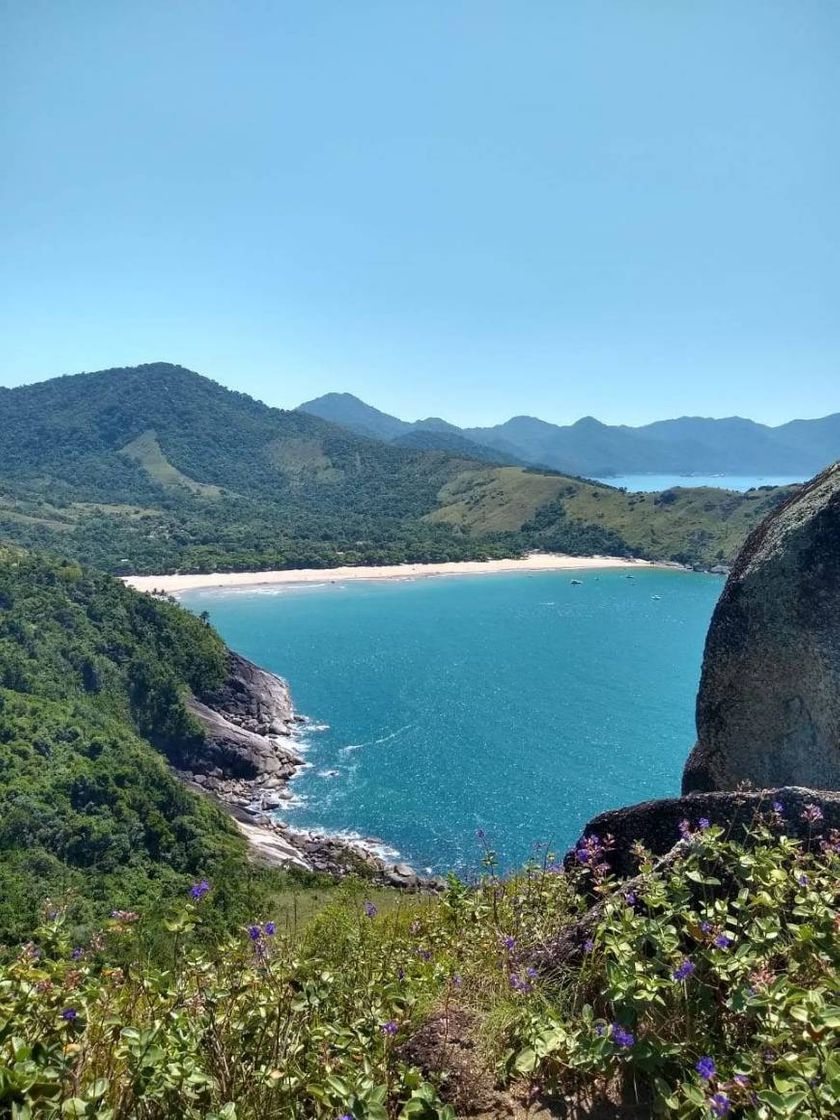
{"x":254,"y":932}
{"x":706,"y":926}
{"x":588,"y":945}
{"x":199,"y":890}
{"x":684,"y":971}
{"x":345,"y":1116}
{"x":778,"y":807}
{"x":518,"y":984}
{"x":723,"y":941}
{"x":720,"y":1104}
{"x":706,"y":1068}
{"x":509,"y":943}
{"x":390,"y":1028}
{"x":803,"y":880}
{"x":600,"y":1030}
{"x":370,"y":909}
{"x":531,"y":973}
{"x":630,"y":898}
{"x":69,"y":1013}
{"x":424,"y":954}
{"x":582,"y":855}
{"x":741,"y":1079}
{"x":401,"y":974}
{"x":621,"y":1037}
{"x":704,"y":823}
{"x":77,"y":953}
{"x":270,"y":929}
{"x":812,"y":814}
{"x":684,"y":829}
{"x":457,"y":980}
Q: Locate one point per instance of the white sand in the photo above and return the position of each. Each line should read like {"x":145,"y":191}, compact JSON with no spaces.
{"x":537,"y":562}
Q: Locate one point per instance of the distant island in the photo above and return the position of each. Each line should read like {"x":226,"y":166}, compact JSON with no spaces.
{"x":686,"y":446}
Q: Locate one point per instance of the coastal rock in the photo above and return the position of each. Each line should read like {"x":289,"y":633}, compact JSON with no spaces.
{"x":768,"y":709}
{"x":656,"y":823}
{"x":250,"y":698}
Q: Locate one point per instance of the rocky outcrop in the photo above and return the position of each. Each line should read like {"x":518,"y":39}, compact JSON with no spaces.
{"x":247,"y":725}
{"x":768,"y":709}
{"x":253,"y":698}
{"x":657,"y":823}
{"x":664,"y":827}
{"x":245,"y":761}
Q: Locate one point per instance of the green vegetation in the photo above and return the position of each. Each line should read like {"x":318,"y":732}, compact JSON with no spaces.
{"x":553,"y":512}
{"x":707,"y":987}
{"x":91,"y":675}
{"x":156,"y":469}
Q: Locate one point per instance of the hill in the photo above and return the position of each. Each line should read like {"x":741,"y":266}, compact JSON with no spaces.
{"x":155,"y":468}
{"x":91,"y":674}
{"x":688,"y":445}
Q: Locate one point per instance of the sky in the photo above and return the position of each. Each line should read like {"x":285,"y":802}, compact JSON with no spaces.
{"x":619,"y":208}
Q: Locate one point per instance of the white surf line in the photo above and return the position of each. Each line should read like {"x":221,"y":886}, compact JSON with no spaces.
{"x":374,"y":742}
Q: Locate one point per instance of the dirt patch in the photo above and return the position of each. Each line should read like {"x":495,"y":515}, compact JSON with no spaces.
{"x":446,"y":1050}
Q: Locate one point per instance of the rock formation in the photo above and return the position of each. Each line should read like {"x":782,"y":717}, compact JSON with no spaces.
{"x":768,"y":709}
{"x":657,"y":823}
{"x":246,"y":723}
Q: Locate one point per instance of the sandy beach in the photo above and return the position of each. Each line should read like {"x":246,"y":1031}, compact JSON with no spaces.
{"x":538,"y":562}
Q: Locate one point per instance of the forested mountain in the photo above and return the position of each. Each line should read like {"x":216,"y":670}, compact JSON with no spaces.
{"x":689,"y":445}
{"x":88,"y":807}
{"x":155,"y":468}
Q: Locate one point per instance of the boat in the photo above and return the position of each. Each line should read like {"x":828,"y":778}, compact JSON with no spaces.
{"x":577,"y":583}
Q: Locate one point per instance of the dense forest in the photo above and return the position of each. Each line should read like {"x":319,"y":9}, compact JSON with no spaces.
{"x":89,"y":810}
{"x":156,"y":468}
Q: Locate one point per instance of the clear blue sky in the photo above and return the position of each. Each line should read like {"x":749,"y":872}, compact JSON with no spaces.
{"x":626,"y":208}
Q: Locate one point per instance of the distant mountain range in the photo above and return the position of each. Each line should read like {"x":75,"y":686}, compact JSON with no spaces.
{"x":686,"y":446}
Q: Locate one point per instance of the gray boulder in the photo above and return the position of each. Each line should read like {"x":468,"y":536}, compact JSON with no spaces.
{"x":657,"y":823}
{"x":768,"y":709}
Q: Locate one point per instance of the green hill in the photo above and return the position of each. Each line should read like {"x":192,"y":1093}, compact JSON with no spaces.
{"x":156,"y":468}
{"x":89,"y":810}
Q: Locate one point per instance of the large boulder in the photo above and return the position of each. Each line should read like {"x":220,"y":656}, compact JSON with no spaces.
{"x":768,"y":709}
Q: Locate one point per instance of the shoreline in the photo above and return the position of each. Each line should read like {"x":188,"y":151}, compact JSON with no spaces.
{"x":536,"y":562}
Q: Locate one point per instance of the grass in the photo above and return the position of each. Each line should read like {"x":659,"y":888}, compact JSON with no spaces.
{"x":712,"y":522}
{"x":146,"y":451}
{"x":496,"y":500}
{"x":702,"y":524}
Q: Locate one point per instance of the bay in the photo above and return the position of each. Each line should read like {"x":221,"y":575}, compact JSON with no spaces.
{"x":520,"y":704}
{"x":742,"y":482}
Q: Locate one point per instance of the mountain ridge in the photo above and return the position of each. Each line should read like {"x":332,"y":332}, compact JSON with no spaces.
{"x":588,"y":447}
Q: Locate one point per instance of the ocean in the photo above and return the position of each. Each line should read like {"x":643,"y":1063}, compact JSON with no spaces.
{"x":518,"y":704}
{"x":722,"y":481}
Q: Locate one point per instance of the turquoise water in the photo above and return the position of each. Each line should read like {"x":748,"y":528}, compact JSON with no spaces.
{"x":723,"y":481}
{"x":520,"y":704}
